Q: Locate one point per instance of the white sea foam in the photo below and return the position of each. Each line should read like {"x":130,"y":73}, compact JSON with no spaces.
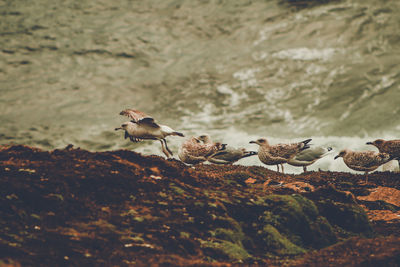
{"x":235,"y":97}
{"x":304,"y":53}
{"x":266,"y":32}
{"x":247,"y":77}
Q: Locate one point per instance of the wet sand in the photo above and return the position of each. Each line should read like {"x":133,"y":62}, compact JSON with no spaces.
{"x":75,"y":207}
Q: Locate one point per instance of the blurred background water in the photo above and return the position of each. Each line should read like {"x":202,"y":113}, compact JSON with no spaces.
{"x":238,"y":70}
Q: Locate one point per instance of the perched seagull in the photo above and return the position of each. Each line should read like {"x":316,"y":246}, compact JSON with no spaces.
{"x":280,"y":153}
{"x":363,"y":161}
{"x":193,"y":151}
{"x":309,"y":156}
{"x":143,"y":127}
{"x":227,"y":156}
{"x":392,"y":147}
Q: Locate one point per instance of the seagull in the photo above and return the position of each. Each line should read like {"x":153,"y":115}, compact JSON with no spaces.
{"x":392,"y":147}
{"x":144,"y":127}
{"x":280,"y":153}
{"x":227,"y":156}
{"x":364,"y":160}
{"x":309,"y":156}
{"x":193,"y":151}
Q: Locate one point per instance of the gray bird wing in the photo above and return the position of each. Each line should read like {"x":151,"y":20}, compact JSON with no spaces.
{"x":229,"y":154}
{"x":311,"y":154}
{"x":148,"y":123}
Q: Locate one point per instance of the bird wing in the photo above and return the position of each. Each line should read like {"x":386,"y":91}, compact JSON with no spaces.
{"x":148,"y":122}
{"x":140,"y":118}
{"x":311,"y":154}
{"x":392,"y":147}
{"x":367,"y":159}
{"x":228,"y":154}
{"x":135,"y":115}
{"x":283,"y":150}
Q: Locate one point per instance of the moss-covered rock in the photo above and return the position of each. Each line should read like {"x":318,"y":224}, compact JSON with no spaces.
{"x":341,"y":210}
{"x":294,"y":219}
{"x":278,"y":243}
{"x":225,"y":250}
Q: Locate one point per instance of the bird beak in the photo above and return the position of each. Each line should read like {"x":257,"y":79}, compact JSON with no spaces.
{"x":369,"y":143}
{"x":336,"y":157}
{"x":252,"y":142}
{"x":116,"y":129}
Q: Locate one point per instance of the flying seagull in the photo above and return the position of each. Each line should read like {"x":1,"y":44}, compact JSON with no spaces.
{"x":144,"y":127}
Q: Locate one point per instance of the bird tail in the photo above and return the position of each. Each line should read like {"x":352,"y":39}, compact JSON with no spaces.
{"x":249,"y":153}
{"x":306,"y":141}
{"x":178,"y":134}
{"x":305,"y":144}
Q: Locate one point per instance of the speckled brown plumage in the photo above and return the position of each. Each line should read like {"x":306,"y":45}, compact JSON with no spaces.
{"x":229,"y":155}
{"x":280,"y":153}
{"x":363,"y":160}
{"x":392,"y":147}
{"x":194,"y":151}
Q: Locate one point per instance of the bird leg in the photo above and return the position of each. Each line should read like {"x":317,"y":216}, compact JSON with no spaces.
{"x":366,"y":177}
{"x":163,"y":149}
{"x":166,"y":146}
{"x":282,"y":168}
{"x":277,"y":167}
{"x":304,"y":168}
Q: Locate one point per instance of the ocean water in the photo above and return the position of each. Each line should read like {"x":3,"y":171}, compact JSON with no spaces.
{"x":238,"y":70}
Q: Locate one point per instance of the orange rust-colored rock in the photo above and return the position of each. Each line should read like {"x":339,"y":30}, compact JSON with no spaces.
{"x":387,"y":194}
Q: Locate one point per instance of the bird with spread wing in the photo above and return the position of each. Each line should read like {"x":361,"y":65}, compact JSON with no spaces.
{"x":144,"y":127}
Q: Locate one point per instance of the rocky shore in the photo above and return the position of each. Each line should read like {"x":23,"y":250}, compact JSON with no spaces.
{"x":73,"y":207}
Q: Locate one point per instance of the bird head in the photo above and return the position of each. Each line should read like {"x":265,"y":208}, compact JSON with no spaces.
{"x":341,"y":154}
{"x":124,"y":126}
{"x":260,"y":142}
{"x":377,"y":142}
{"x":205,"y":138}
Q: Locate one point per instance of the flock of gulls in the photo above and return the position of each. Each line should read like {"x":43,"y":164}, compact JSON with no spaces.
{"x":202,"y":148}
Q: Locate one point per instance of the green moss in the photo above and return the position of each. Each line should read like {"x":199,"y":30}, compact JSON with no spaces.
{"x":279,"y":243}
{"x":130,"y":212}
{"x":185,"y":234}
{"x":349,"y":217}
{"x":228,"y":235}
{"x":222,"y":249}
{"x":176,"y":189}
{"x":297,"y":219}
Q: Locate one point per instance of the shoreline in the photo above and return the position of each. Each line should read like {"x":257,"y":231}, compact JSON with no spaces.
{"x":72,"y":206}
